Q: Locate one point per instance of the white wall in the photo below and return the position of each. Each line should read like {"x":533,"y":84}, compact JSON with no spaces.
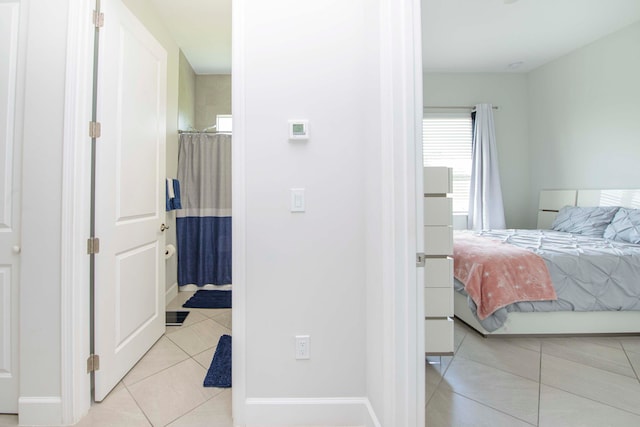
{"x":40,"y":283}
{"x":212,"y":97}
{"x":305,"y":272}
{"x":508,"y":91}
{"x":324,"y":272}
{"x":186,"y":95}
{"x":585,"y":117}
{"x":374,"y":252}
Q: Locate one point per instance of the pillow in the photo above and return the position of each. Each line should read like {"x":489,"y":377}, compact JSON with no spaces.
{"x":587,"y":221}
{"x":625,"y":226}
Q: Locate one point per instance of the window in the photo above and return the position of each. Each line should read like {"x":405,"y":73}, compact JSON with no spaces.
{"x":447,"y":140}
{"x":224,"y":123}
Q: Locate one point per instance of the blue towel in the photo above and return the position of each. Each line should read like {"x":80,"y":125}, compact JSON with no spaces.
{"x":173,"y":202}
{"x":176,"y":203}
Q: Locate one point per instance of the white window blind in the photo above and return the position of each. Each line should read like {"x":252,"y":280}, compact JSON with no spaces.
{"x":447,"y":142}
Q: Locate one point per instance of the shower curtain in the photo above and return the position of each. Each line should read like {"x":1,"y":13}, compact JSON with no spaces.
{"x":204,"y":222}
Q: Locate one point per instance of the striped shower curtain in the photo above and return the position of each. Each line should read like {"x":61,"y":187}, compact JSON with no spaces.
{"x":204,"y":222}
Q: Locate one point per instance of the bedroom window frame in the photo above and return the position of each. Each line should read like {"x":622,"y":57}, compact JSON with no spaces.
{"x":455,"y":151}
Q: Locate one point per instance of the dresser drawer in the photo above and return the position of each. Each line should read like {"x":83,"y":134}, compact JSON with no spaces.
{"x":438,"y":272}
{"x":438,"y":302}
{"x":438,"y":240}
{"x":437,"y":180}
{"x":438,"y":336}
{"x":438,"y":211}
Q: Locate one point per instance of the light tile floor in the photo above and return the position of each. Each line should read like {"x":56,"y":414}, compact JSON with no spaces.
{"x":546,"y":382}
{"x":517,"y":382}
{"x":165,"y":387}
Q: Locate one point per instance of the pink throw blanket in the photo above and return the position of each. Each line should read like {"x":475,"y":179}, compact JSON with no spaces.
{"x":496,"y":274}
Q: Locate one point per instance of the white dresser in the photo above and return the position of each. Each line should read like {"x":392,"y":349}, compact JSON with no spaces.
{"x":438,"y":272}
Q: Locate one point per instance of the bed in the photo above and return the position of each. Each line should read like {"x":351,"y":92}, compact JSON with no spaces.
{"x":593,"y":262}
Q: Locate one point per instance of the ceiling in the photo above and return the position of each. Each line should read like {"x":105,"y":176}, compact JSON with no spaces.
{"x":458,"y":35}
{"x":202,"y":30}
{"x":489,"y":35}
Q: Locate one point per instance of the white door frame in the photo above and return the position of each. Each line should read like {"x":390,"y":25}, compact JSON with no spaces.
{"x":401,"y":106}
{"x":401,"y":103}
{"x":76,"y":196}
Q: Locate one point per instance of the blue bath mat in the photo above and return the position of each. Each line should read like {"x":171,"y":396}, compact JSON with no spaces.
{"x":219,"y":373}
{"x":209,"y":299}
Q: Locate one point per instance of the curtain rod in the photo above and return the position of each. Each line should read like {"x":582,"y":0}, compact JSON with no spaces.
{"x":455,"y":107}
{"x":196,"y":131}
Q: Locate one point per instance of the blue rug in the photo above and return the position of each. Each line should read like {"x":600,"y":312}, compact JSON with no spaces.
{"x":209,"y":299}
{"x":219,"y":373}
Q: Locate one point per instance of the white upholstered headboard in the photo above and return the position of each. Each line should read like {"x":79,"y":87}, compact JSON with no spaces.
{"x":552,"y":200}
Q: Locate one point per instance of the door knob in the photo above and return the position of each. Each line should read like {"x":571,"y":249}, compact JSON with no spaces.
{"x":16,"y":249}
{"x":164,"y":227}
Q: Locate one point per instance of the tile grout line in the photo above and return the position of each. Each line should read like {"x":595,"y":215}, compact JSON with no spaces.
{"x":589,"y":398}
{"x":540,"y":350}
{"x":172,"y":365}
{"x":586,"y":365}
{"x":593,"y":400}
{"x":442,"y":374}
{"x":506,"y":372}
{"x":185,"y":327}
{"x":516,"y":375}
{"x":492,"y":408}
{"x":193,"y":409}
{"x":192,"y":357}
{"x":206,"y":369}
{"x":630,"y":363}
{"x":539,"y":381}
{"x":498,"y":369}
{"x":592,"y":363}
{"x":161,"y":370}
{"x":137,"y":404}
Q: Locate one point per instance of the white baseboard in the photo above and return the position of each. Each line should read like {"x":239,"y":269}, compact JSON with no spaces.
{"x":40,"y":411}
{"x":346,"y":411}
{"x":172,"y":292}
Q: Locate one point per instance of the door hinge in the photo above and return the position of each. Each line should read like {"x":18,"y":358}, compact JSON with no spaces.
{"x":98,"y":19}
{"x":93,"y":363}
{"x":420,"y":258}
{"x":94,"y":129}
{"x":93,"y":245}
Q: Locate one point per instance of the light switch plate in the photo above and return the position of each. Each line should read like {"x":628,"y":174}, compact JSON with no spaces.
{"x":297,"y":200}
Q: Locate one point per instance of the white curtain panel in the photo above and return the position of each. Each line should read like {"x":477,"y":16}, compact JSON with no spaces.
{"x":486,"y":210}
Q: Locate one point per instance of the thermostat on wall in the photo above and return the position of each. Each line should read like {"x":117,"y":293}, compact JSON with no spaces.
{"x":298,"y":129}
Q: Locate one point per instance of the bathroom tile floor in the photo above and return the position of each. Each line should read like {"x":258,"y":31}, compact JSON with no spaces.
{"x":165,"y":387}
{"x":546,"y":382}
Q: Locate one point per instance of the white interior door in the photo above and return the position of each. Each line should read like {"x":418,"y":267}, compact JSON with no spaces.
{"x":9,"y":204}
{"x":130,"y":195}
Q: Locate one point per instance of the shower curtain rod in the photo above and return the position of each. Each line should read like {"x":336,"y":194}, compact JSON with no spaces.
{"x":454,"y":107}
{"x":197,"y":131}
{"x":216,"y":132}
{"x":209,"y":129}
